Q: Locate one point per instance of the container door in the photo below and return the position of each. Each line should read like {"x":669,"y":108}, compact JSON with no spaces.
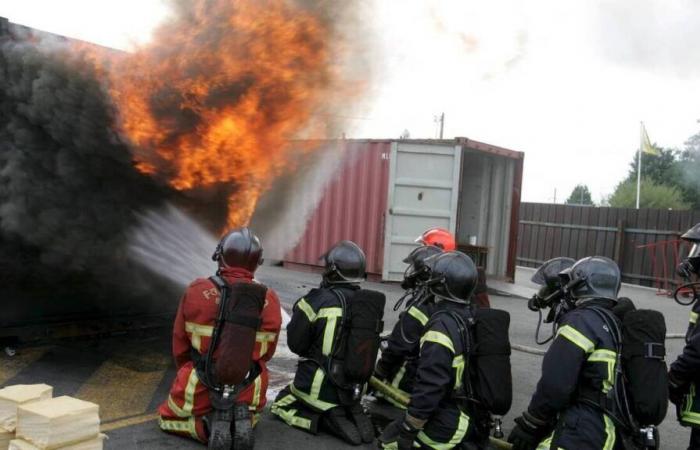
{"x":423,"y":193}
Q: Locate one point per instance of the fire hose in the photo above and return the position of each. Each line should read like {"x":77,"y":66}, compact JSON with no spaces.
{"x":391,"y":393}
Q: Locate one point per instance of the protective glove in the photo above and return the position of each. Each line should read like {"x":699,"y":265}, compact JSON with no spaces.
{"x":685,"y":269}
{"x":677,"y":389}
{"x":407,"y":435}
{"x":528,"y":432}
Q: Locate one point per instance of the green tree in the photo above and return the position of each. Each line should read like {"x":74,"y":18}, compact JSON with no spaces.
{"x":653,"y":195}
{"x":581,"y":195}
{"x":657,"y":167}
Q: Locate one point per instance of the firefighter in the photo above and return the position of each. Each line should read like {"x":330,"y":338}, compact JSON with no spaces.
{"x":399,"y":361}
{"x":436,"y":417}
{"x":315,"y":400}
{"x":686,"y":369}
{"x":188,"y":409}
{"x":445,"y":240}
{"x":577,"y":370}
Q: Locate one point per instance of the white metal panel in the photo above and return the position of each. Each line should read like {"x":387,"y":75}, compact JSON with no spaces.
{"x":423,"y":193}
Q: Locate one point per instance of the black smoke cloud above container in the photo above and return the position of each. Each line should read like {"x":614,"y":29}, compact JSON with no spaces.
{"x":68,"y":187}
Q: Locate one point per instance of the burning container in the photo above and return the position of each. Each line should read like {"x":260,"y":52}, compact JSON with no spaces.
{"x":386,"y":192}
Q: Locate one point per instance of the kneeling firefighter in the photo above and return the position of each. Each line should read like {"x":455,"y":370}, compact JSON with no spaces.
{"x":399,"y":361}
{"x":225,"y":331}
{"x":685,"y":371}
{"x":335,"y":330}
{"x":602,"y":384}
{"x":463,"y":373}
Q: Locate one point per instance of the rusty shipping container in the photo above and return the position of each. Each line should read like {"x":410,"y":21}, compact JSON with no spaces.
{"x":386,"y":192}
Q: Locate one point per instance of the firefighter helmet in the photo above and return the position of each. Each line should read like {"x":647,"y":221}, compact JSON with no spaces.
{"x":692,"y":263}
{"x":548,"y":273}
{"x":239,"y":248}
{"x":438,"y":237}
{"x":595,"y":277}
{"x":417,"y":269}
{"x":345,"y":263}
{"x":453,"y":276}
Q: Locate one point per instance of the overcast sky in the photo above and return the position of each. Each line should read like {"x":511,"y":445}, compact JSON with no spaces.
{"x":565,"y":82}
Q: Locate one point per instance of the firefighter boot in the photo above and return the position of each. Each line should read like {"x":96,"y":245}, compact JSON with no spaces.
{"x":243,"y":437}
{"x":220,"y":421}
{"x":336,"y":422}
{"x":363,"y":423}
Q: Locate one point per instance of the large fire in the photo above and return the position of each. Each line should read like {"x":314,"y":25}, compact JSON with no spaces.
{"x":221,"y":90}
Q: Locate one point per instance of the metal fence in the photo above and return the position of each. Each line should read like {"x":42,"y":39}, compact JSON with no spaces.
{"x":645,"y":242}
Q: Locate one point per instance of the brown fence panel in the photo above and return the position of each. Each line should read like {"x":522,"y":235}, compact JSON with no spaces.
{"x":645,"y":242}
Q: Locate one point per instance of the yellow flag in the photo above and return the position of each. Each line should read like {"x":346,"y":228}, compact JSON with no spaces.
{"x":646,"y":144}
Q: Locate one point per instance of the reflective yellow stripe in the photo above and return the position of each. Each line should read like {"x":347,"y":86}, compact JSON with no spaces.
{"x":418,"y":315}
{"x":399,"y":376}
{"x":284,"y":401}
{"x":179,"y":426}
{"x":462,"y":428}
{"x":307,"y":309}
{"x":312,"y":398}
{"x":576,"y":337}
{"x":186,"y":409}
{"x":331,"y":315}
{"x":688,"y":415}
{"x":257,"y":384}
{"x":693,"y":317}
{"x":458,"y":365}
{"x":198,"y":331}
{"x":176,"y":409}
{"x":610,"y":358}
{"x":438,"y":338}
{"x":265,"y":337}
{"x":290,"y":417}
{"x":610,"y":433}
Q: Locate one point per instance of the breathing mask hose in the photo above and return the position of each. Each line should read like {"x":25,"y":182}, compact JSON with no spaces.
{"x":694,"y":286}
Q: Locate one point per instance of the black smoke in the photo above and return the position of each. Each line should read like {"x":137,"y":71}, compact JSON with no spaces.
{"x":68,"y":186}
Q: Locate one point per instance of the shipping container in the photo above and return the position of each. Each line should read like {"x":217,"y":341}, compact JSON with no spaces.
{"x":386,"y":192}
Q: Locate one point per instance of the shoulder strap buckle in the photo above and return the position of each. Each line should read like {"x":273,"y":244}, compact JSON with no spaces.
{"x":654,"y":350}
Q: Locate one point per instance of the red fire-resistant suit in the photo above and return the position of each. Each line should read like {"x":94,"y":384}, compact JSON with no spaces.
{"x":188,"y":402}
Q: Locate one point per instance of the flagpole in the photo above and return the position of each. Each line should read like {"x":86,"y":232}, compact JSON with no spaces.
{"x":639,"y":164}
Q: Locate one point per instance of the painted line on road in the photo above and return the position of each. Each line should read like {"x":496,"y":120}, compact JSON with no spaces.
{"x":127,"y":422}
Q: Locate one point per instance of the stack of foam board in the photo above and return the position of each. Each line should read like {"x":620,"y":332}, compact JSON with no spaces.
{"x":92,"y":444}
{"x":58,"y":423}
{"x":22,"y":394}
{"x":11,"y":398}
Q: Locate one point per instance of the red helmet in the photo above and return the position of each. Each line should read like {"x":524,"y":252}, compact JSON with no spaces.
{"x":438,"y":237}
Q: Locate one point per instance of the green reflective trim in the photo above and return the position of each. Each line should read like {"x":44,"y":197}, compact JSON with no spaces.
{"x":457,"y":438}
{"x":693,"y":317}
{"x":688,"y":415}
{"x":399,"y":376}
{"x":331,"y":315}
{"x":179,"y":426}
{"x":307,"y":309}
{"x":290,"y":417}
{"x":610,"y":433}
{"x":608,"y":357}
{"x":438,"y":338}
{"x":312,"y":398}
{"x":458,"y":365}
{"x":329,"y":312}
{"x":390,"y":445}
{"x":576,"y":337}
{"x":284,"y":401}
{"x":418,"y":315}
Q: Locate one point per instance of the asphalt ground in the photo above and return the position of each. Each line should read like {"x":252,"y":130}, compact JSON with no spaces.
{"x":129,"y":375}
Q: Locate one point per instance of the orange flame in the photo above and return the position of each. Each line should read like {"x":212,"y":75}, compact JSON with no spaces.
{"x":217,"y":96}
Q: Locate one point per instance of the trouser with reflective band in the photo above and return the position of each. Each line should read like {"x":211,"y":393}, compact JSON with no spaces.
{"x":690,"y":412}
{"x":295,"y":412}
{"x":402,"y":383}
{"x":446,"y":429}
{"x":188,"y":403}
{"x":581,"y":427}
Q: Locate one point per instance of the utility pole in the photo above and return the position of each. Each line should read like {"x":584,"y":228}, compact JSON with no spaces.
{"x":555,"y":195}
{"x":442,"y":124}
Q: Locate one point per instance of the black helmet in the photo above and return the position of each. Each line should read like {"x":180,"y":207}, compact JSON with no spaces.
{"x":239,"y":248}
{"x":453,"y":276}
{"x":595,"y":277}
{"x":345,"y":263}
{"x":692,"y":235}
{"x":417,"y":270}
{"x":548,"y":273}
